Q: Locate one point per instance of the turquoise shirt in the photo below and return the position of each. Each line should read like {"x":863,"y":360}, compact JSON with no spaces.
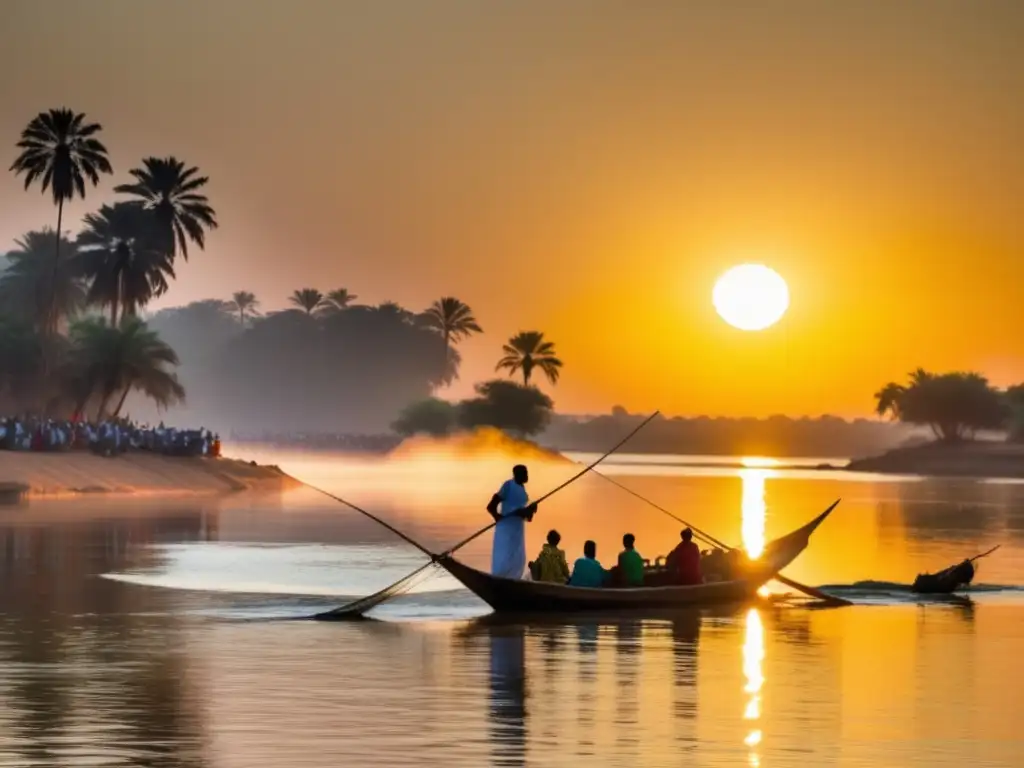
{"x":587,"y":572}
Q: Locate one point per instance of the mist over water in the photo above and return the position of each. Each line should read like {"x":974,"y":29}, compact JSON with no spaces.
{"x":138,"y":629}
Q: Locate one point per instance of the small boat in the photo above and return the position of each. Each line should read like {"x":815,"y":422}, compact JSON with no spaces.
{"x":945,"y":582}
{"x":948,"y":581}
{"x":524,"y":596}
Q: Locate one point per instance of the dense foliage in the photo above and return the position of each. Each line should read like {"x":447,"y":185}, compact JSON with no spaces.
{"x":515,"y":408}
{"x":954,"y":405}
{"x":122,"y":258}
{"x":327,"y":364}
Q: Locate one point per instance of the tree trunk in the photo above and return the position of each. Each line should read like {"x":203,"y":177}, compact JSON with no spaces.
{"x":50,"y":310}
{"x":447,"y":358}
{"x":108,"y":392}
{"x":120,"y":404}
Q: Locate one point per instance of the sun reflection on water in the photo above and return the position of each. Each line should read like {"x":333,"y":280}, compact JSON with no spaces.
{"x":753,"y":656}
{"x":753,"y":508}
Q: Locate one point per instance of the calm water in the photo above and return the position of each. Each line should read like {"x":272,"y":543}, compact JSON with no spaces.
{"x":162,"y":634}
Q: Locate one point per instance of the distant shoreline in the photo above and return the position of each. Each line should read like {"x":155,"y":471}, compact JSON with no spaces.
{"x":974,"y":459}
{"x":78,"y":473}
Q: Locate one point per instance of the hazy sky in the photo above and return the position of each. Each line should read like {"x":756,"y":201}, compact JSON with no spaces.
{"x":585,"y":168}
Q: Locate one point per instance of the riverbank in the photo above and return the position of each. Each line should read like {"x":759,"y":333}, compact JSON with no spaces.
{"x":74,"y":473}
{"x":969,"y":459}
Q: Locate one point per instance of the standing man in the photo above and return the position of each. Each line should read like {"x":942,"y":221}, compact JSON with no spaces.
{"x":508,"y":558}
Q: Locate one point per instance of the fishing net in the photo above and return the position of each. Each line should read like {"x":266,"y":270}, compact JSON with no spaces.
{"x":357,"y":608}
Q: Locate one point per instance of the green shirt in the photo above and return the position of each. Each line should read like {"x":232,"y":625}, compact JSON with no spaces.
{"x":632,"y":566}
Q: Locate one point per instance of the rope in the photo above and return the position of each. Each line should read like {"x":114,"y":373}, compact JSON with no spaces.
{"x":358,"y":607}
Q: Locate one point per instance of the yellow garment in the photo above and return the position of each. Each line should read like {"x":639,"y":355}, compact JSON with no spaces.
{"x":551,"y":565}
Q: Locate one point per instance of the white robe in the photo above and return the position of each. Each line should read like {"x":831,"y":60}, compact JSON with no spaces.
{"x":508,"y":557}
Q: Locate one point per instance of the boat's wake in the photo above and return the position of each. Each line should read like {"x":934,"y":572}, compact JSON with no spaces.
{"x":226,"y":585}
{"x":888,"y":592}
{"x":295,"y":570}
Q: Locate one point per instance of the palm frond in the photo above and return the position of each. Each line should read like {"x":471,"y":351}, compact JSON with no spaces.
{"x":169,"y":187}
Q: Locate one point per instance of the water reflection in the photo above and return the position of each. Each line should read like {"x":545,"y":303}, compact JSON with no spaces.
{"x":507,"y":700}
{"x":102,"y":672}
{"x":753,"y":657}
{"x":85,"y":678}
{"x":754,"y":508}
{"x":686,"y":696}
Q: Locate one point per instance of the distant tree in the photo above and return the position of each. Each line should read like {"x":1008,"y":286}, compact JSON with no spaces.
{"x":28,"y":289}
{"x":519,"y":409}
{"x":432,"y":416}
{"x":118,"y":359}
{"x":245,"y":303}
{"x":619,"y":411}
{"x":60,"y":149}
{"x":172,"y":191}
{"x":453,"y":319}
{"x":954,"y":405}
{"x":120,"y":252}
{"x":352,"y":370}
{"x":395,"y":310}
{"x":199,"y":323}
{"x":307,"y":299}
{"x":528,"y":350}
{"x":338,"y":299}
{"x":888,"y":399}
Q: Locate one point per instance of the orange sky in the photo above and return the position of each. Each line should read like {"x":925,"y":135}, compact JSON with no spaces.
{"x":585,"y":168}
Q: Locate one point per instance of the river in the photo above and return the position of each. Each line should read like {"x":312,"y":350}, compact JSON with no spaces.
{"x":161,"y":633}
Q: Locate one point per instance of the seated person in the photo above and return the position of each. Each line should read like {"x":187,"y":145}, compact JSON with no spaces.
{"x":550,"y":564}
{"x":587,"y":571}
{"x":683,"y":562}
{"x":631,"y":564}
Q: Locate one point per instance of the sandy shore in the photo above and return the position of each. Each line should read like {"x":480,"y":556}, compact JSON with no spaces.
{"x":59,"y":474}
{"x":970,"y":459}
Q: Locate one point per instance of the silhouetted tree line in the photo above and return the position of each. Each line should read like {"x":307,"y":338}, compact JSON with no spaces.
{"x":955,"y":406}
{"x":781,"y":436}
{"x":330,"y":364}
{"x":57,"y":354}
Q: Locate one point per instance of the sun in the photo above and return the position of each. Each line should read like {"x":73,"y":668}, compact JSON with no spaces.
{"x":751,"y":297}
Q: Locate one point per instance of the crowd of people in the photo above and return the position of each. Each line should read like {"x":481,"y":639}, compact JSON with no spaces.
{"x":106,"y":438}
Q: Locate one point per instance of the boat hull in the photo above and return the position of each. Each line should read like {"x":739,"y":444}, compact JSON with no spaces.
{"x":524,"y":596}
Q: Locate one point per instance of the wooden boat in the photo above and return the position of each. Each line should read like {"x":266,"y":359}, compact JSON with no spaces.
{"x":523,"y":596}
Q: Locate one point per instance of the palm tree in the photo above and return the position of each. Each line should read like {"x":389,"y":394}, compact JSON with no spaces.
{"x":121,"y":252}
{"x":27,"y":286}
{"x":307,"y":299}
{"x":528,"y":350}
{"x":453,"y":319}
{"x":60,"y":149}
{"x":394,"y":310}
{"x":889,"y":398}
{"x":130,"y":356}
{"x":339,"y":299}
{"x":244,"y":302}
{"x":171,"y":190}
